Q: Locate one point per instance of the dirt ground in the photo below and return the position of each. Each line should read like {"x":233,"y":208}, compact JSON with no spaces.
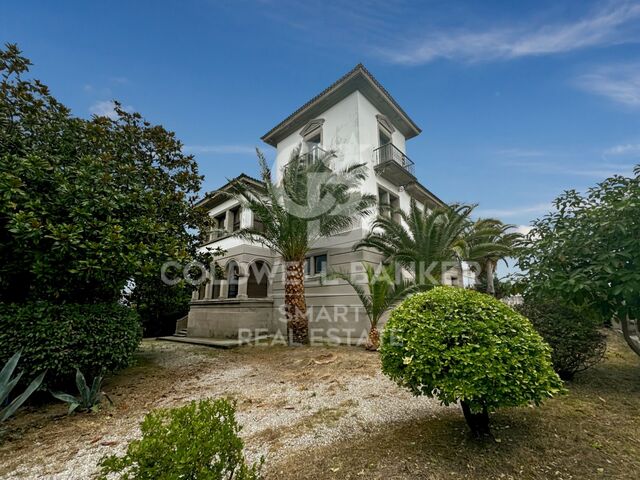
{"x":289,"y":400}
{"x":327,"y":412}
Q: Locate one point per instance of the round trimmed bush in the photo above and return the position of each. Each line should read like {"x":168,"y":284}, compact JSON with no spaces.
{"x":461,"y":345}
{"x":58,"y":338}
{"x":575,"y":338}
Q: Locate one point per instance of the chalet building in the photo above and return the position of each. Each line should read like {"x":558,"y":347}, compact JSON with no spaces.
{"x":358,"y":120}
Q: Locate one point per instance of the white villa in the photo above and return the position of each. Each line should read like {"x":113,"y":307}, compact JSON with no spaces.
{"x":360,"y":121}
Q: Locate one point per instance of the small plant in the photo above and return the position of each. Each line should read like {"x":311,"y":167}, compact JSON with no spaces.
{"x":199,"y":440}
{"x":383,"y":291}
{"x":461,"y":345}
{"x":7,"y":384}
{"x":89,"y":399}
{"x":575,"y":338}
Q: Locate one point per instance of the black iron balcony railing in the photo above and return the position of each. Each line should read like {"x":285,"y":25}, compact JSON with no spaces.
{"x":390,"y":153}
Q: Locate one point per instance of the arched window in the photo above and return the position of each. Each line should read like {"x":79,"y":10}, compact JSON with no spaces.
{"x":258,"y":282}
{"x":233,"y":276}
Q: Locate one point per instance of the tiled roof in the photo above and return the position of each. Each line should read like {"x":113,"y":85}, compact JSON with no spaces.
{"x":242,"y":177}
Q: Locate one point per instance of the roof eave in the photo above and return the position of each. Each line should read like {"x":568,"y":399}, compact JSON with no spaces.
{"x":407,"y":126}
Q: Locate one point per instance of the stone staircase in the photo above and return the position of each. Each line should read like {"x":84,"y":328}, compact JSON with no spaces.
{"x":181,"y":327}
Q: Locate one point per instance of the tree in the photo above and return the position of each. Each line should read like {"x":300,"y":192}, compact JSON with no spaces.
{"x":311,"y":201}
{"x":429,"y":242}
{"x":460,"y":345}
{"x":587,"y":252}
{"x":489,"y":241}
{"x":86,"y":205}
{"x":384,"y":290}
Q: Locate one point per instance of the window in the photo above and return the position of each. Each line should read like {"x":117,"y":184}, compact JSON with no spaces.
{"x":320,"y":264}
{"x":388,"y":204}
{"x":383,"y":137}
{"x":307,"y":266}
{"x":235,"y":214}
{"x":315,"y":264}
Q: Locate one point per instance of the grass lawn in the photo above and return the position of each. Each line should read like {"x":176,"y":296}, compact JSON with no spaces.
{"x":328,"y":413}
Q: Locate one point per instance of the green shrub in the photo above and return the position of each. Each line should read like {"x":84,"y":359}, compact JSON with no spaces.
{"x":575,"y":338}
{"x":7,"y":384}
{"x":89,"y":398}
{"x":199,"y":440}
{"x":462,"y":345}
{"x":95,"y":338}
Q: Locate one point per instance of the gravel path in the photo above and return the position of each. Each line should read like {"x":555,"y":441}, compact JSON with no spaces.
{"x":288,"y":399}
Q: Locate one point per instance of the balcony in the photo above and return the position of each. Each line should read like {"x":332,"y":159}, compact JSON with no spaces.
{"x":314,"y":154}
{"x":392,"y":164}
{"x":217,"y":233}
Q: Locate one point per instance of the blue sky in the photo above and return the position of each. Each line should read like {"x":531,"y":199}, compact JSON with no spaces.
{"x":518,"y":101}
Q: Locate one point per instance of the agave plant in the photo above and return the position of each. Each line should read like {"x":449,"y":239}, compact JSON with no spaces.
{"x":383,"y":290}
{"x":90,"y":397}
{"x":7,"y":384}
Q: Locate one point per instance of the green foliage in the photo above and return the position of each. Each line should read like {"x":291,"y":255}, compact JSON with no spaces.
{"x":89,"y":399}
{"x":457,"y":344}
{"x":199,"y":441}
{"x":587,"y":251}
{"x":59,"y":338}
{"x":490,"y":241}
{"x":311,"y":201}
{"x":7,"y":384}
{"x":431,"y":242}
{"x":575,"y":338}
{"x":86,"y":205}
{"x":384,"y":289}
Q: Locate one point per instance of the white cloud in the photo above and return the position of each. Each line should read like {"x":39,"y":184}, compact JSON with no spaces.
{"x":619,"y":83}
{"x":220,"y":149}
{"x":512,"y":212}
{"x":613,"y":24}
{"x":600,"y":170}
{"x":106,"y":108}
{"x":523,"y":229}
{"x":628,"y":149}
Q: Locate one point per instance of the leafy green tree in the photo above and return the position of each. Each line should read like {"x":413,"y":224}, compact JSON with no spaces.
{"x":587,"y":252}
{"x":311,"y":201}
{"x":490,"y":241}
{"x":460,"y":345}
{"x":86,"y":205}
{"x":428,"y":244}
{"x":383,"y":290}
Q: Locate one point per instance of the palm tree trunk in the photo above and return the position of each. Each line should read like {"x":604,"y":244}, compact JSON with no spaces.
{"x":373,"y":341}
{"x":491,"y":289}
{"x":295,"y":303}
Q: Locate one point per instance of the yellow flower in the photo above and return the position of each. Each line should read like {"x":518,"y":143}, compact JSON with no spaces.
{"x":407,"y":360}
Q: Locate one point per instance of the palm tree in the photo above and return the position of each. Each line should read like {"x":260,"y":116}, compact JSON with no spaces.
{"x":430,"y":239}
{"x":311,"y":201}
{"x":489,"y":241}
{"x":383,"y":291}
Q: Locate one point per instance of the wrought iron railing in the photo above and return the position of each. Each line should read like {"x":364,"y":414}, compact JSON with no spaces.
{"x":390,"y":153}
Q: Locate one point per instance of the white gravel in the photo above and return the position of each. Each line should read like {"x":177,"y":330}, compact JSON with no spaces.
{"x":288,"y":399}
